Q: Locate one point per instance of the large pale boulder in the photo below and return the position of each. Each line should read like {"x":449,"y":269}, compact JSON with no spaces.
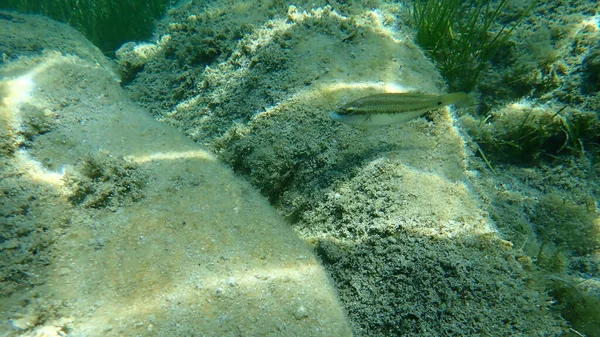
{"x":148,"y":234}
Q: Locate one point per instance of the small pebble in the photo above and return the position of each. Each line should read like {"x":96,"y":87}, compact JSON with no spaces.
{"x":301,"y":313}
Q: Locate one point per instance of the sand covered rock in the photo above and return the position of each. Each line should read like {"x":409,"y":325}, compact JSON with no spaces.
{"x":114,"y":224}
{"x":397,"y":214}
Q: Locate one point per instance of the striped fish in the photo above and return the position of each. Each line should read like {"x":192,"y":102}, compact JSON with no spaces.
{"x":387,"y":109}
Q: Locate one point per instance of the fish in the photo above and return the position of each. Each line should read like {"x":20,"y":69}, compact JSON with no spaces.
{"x":392,"y":108}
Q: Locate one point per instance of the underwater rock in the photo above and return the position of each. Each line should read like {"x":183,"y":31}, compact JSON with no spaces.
{"x":591,"y":70}
{"x":149,"y":235}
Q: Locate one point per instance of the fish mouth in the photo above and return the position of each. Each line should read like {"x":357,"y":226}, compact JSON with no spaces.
{"x":336,"y":116}
{"x":357,"y":120}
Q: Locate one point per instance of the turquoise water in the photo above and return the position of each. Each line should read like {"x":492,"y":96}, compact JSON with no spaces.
{"x":476,"y":219}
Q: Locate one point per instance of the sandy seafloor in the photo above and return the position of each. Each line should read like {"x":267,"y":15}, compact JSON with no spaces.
{"x":196,"y":186}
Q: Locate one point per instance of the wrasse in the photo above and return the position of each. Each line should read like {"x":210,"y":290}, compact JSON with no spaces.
{"x":387,"y":109}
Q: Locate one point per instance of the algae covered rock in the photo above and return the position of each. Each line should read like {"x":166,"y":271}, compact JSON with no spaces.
{"x":395,"y":213}
{"x":136,"y":230}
